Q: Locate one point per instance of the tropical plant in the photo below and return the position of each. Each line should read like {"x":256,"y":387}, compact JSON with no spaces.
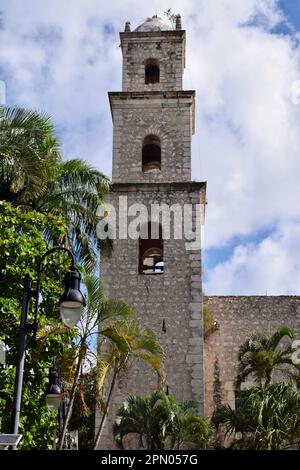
{"x":145,"y":416}
{"x":160,"y":423}
{"x":187,"y":427}
{"x":28,"y":149}
{"x":267,"y":418}
{"x":262,"y":355}
{"x":81,"y":354}
{"x":122,"y":341}
{"x":33,"y":174}
{"x":122,"y":338}
{"x":74,"y":191}
{"x":84,"y":409}
{"x":21,"y":245}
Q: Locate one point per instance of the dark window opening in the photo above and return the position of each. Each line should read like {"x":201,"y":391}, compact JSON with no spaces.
{"x":151,"y":71}
{"x":151,"y":258}
{"x":151,"y":154}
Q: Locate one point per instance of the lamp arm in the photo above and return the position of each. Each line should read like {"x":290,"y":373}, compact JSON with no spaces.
{"x":38,"y":285}
{"x":52,"y":250}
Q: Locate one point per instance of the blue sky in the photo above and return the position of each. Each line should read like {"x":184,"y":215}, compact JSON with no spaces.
{"x":291,"y":9}
{"x":243,"y":60}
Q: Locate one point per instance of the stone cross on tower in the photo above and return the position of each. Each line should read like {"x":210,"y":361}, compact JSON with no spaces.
{"x":159,"y":276}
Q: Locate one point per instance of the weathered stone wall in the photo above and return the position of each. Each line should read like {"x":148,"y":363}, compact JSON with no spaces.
{"x":165,"y":46}
{"x":170,"y":117}
{"x":173,"y":297}
{"x":237,"y":317}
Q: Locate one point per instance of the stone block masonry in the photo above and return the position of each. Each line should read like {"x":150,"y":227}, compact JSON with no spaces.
{"x":167,"y":47}
{"x":237,"y":318}
{"x":173,"y":298}
{"x":170,"y":117}
{"x":153,"y":124}
{"x":153,"y":120}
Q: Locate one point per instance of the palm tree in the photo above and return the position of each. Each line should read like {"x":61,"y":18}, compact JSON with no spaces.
{"x":33,"y":174}
{"x":99,"y":310}
{"x":28,"y":149}
{"x":261,"y":355}
{"x":266,"y":420}
{"x":80,"y":351}
{"x":160,"y":422}
{"x":187,"y":427}
{"x":145,"y":416}
{"x":74,"y":191}
{"x":124,"y":340}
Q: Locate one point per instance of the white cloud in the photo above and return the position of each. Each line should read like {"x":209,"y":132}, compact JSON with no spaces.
{"x":271,"y":266}
{"x":64,"y":56}
{"x":248,"y":128}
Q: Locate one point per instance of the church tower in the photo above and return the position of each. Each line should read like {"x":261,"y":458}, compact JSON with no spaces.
{"x":159,"y":275}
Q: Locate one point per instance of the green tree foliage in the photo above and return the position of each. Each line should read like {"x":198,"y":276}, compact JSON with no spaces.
{"x":83,"y":416}
{"x":187,"y":427}
{"x":261,"y":355}
{"x":161,"y":423}
{"x":86,"y":371}
{"x":22,"y":243}
{"x":268,"y":418}
{"x":74,"y":191}
{"x":33,"y":174}
{"x":28,"y":149}
{"x":83,"y":355}
{"x":121,"y":342}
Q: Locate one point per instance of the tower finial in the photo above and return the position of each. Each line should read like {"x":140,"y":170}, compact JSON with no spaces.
{"x":127,"y":27}
{"x":178,"y":22}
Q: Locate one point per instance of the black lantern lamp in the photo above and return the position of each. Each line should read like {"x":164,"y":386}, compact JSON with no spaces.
{"x":71,"y":306}
{"x":72,"y":301}
{"x":54,"y":392}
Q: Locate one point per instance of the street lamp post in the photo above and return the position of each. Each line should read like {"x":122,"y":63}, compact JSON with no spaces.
{"x":54,"y":391}
{"x":56,"y":399}
{"x":70,"y":304}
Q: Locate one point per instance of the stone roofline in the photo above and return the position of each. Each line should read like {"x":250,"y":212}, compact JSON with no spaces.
{"x":259,"y":297}
{"x":162,"y":186}
{"x":152,"y":34}
{"x":175,"y":94}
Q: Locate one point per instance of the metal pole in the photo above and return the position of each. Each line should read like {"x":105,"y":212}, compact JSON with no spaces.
{"x":38,"y":285}
{"x":21,"y":356}
{"x":25,"y":327}
{"x":61,"y":413}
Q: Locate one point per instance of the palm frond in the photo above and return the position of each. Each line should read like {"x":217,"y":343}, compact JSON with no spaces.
{"x":28,"y":148}
{"x":114,"y":309}
{"x":279,"y":335}
{"x":261,"y":355}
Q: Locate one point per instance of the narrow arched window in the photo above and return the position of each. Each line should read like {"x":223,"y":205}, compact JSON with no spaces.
{"x":151,"y":251}
{"x":151,"y":154}
{"x":151,"y":71}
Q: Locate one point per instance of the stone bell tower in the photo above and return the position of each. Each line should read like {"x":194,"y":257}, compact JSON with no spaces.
{"x":158,"y":275}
